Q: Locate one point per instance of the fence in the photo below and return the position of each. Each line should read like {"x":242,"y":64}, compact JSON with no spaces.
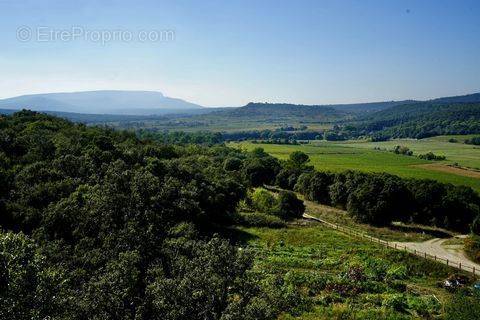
{"x":425,"y":255}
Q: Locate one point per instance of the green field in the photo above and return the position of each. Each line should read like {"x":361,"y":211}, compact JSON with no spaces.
{"x":337,"y":157}
{"x":316,"y":261}
{"x":461,"y":153}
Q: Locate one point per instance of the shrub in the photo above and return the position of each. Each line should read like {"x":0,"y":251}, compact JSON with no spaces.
{"x":257,"y":219}
{"x":431,"y":156}
{"x":474,"y":141}
{"x":289,"y":206}
{"x":402,"y":150}
{"x":472,"y":247}
{"x":263,"y":201}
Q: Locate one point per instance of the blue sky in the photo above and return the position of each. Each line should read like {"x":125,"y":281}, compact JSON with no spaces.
{"x":227,"y":53}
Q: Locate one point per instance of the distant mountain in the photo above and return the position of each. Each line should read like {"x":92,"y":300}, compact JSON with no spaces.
{"x":102,"y":102}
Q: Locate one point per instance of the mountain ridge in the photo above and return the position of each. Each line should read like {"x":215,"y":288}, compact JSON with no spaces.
{"x":101,"y":102}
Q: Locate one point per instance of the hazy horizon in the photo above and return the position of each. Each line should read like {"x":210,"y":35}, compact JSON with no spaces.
{"x":219,"y":54}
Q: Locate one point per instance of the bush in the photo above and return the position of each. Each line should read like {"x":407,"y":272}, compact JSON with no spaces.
{"x":263,"y":201}
{"x":474,"y":141}
{"x":402,"y":150}
{"x":257,"y":219}
{"x":289,"y":206}
{"x":472,"y":247}
{"x":431,"y":156}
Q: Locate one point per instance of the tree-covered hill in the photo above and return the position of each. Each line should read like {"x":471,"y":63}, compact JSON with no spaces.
{"x":418,"y":120}
{"x":96,"y":224}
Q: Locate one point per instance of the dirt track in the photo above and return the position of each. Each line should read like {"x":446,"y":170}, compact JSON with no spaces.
{"x":436,"y":247}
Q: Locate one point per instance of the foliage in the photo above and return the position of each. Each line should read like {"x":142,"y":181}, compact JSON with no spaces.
{"x":298,"y":159}
{"x":463,"y":307}
{"x":289,"y":207}
{"x":102,"y":225}
{"x":472,"y":247}
{"x":431,"y":156}
{"x":473,"y":140}
{"x":258,"y":219}
{"x":420,"y":120}
{"x":286,"y":205}
{"x":402,"y":150}
{"x":260,"y":168}
{"x":263,"y":201}
{"x":379,"y":199}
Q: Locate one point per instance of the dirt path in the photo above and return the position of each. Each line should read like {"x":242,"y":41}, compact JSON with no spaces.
{"x":437,"y":247}
{"x":433,"y":249}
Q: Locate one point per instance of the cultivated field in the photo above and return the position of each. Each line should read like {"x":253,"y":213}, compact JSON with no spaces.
{"x":349,"y":278}
{"x":337,"y":157}
{"x":464,"y":154}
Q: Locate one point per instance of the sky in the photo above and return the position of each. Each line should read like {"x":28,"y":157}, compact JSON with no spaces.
{"x":228,"y":53}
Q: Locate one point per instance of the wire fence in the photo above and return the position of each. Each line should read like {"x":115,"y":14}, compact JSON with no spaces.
{"x":396,"y":246}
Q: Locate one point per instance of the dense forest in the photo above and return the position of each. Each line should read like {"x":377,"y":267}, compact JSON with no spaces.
{"x":98,"y":224}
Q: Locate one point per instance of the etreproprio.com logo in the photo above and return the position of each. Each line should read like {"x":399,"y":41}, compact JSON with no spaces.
{"x":104,"y":36}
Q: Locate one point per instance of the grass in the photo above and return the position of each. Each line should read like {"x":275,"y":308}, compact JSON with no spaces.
{"x":313,"y":255}
{"x":463,"y":154}
{"x":337,"y":157}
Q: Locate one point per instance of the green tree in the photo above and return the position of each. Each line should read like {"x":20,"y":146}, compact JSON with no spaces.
{"x":289,"y":206}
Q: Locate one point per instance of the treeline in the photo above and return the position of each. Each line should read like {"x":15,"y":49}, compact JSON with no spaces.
{"x":181,"y":137}
{"x":281,"y":135}
{"x":380,"y":198}
{"x":97,"y":224}
{"x":474,"y":140}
